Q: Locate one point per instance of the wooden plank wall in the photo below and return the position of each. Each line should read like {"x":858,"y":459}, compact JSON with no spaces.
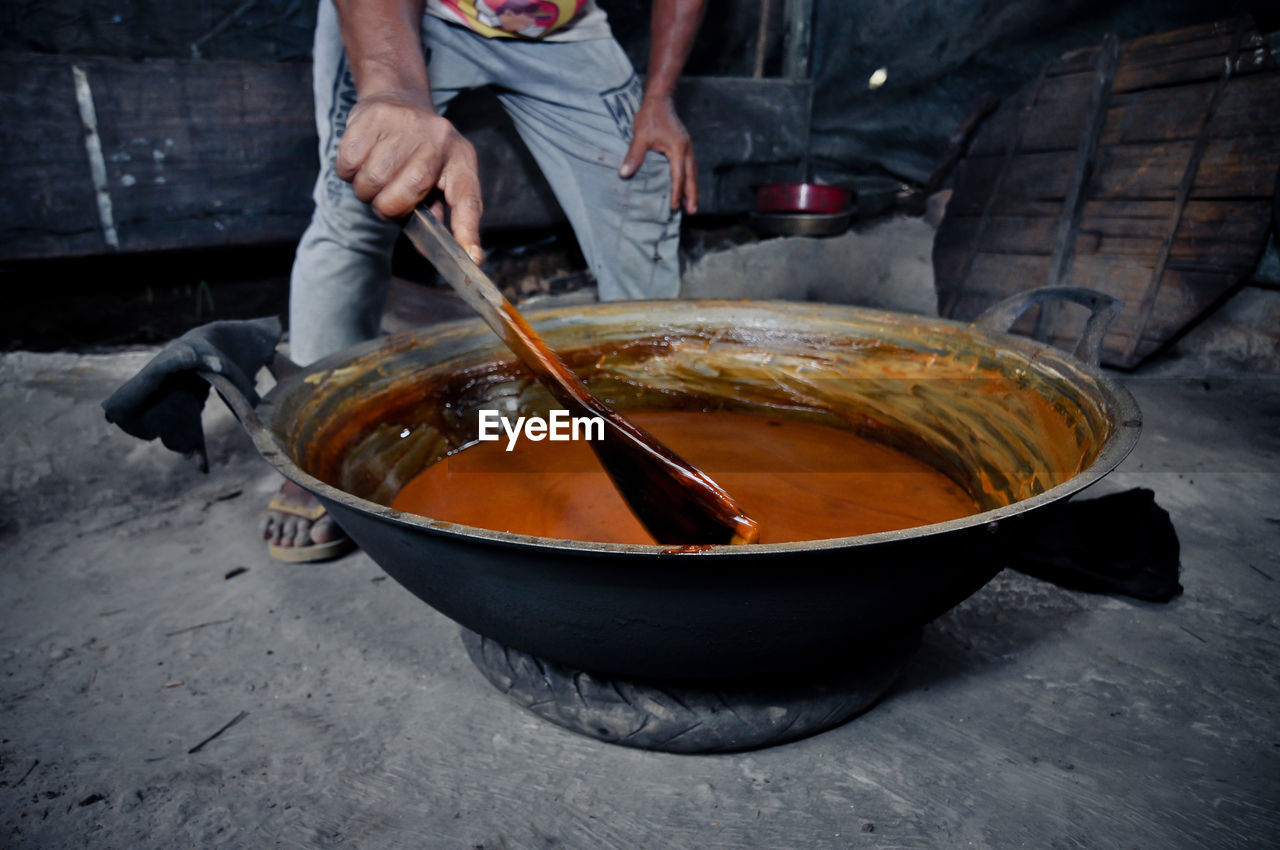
{"x":218,"y":157}
{"x":1169,"y":254}
{"x":210,"y":153}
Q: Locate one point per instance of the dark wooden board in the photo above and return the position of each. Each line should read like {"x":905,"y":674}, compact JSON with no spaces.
{"x":1233,"y":167}
{"x":195,"y":154}
{"x":1154,"y":115}
{"x":1182,"y":292}
{"x":1210,"y":234}
{"x":1191,"y":70}
{"x":48,"y":195}
{"x":1176,"y":207}
{"x":1148,"y":102}
{"x":1190,"y":43}
{"x":201,"y":153}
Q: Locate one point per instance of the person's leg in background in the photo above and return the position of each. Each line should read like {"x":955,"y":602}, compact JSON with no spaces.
{"x":341,"y":273}
{"x":572,"y":103}
{"x":627,"y":230}
{"x":342,"y":267}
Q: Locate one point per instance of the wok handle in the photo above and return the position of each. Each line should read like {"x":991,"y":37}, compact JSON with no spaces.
{"x":243,"y":407}
{"x":1000,"y":317}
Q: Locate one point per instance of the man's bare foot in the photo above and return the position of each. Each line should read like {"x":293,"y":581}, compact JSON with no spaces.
{"x":297,"y":528}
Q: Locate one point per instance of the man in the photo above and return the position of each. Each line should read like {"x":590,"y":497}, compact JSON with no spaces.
{"x":615,"y":153}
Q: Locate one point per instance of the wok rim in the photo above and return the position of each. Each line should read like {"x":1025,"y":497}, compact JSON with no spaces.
{"x":1128,"y":427}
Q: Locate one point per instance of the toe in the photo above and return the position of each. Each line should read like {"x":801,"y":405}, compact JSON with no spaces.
{"x":275,"y":527}
{"x":325,"y":530}
{"x":302,"y":533}
{"x":287,"y":531}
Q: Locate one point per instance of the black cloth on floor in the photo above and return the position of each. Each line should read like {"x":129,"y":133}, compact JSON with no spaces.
{"x":1120,"y":543}
{"x":165,"y":399}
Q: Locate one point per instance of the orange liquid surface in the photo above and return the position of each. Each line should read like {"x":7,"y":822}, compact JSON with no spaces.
{"x":799,"y":480}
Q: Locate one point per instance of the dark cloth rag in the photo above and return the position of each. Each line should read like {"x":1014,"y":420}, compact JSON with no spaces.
{"x":165,"y":399}
{"x":1121,"y":543}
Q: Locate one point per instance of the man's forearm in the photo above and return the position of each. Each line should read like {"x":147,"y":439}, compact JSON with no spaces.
{"x":396,"y":148}
{"x":672,"y":29}
{"x":383,"y":44}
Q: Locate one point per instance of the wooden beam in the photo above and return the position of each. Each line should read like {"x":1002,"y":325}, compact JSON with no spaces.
{"x":1086,"y":155}
{"x":762,"y":38}
{"x":205,"y":153}
{"x":797,"y":45}
{"x":1081,"y":172}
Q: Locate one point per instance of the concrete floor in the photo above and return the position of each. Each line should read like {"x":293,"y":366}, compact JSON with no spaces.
{"x":1032,"y":716}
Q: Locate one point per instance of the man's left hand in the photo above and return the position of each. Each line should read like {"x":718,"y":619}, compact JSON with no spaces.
{"x":657,"y":127}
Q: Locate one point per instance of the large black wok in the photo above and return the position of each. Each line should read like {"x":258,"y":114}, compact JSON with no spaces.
{"x":1019,"y":424}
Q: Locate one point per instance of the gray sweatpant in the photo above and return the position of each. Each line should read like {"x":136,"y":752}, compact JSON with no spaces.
{"x":572,"y":103}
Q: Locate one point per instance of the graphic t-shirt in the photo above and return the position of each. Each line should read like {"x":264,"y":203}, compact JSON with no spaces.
{"x":546,"y":20}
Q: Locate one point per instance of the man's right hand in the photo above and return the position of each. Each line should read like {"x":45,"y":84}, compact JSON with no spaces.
{"x":397,"y":149}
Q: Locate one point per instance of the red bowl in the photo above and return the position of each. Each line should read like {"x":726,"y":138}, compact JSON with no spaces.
{"x":803,"y":198}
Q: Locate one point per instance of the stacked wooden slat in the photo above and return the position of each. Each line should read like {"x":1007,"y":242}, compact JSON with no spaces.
{"x":1164,"y":202}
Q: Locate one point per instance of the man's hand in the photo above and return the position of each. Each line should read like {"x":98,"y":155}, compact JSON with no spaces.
{"x":657,"y":127}
{"x":396,"y":150}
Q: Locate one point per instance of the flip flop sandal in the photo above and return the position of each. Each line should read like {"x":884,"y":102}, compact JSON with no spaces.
{"x":314,"y":552}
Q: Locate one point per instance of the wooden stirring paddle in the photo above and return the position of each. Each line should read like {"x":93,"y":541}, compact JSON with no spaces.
{"x":676,"y":502}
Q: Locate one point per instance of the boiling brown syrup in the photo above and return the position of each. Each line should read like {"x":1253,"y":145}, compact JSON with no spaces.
{"x":672,"y":498}
{"x":798,"y":480}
